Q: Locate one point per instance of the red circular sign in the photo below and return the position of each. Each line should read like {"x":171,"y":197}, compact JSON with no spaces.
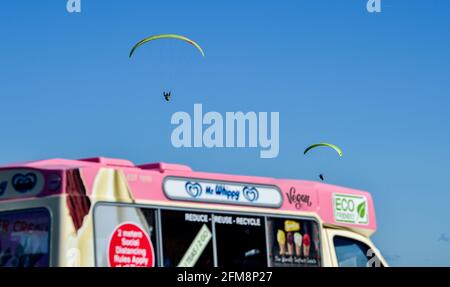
{"x":130,"y":246}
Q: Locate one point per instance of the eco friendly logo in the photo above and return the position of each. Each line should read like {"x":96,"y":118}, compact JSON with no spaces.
{"x":350,"y":209}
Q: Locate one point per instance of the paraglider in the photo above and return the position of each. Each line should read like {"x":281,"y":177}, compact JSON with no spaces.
{"x":167,"y":36}
{"x":336,"y":148}
{"x":167,"y":95}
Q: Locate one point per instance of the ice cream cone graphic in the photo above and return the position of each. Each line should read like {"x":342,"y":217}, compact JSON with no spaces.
{"x":306,"y":245}
{"x":298,"y":243}
{"x":290,"y":243}
{"x":281,"y":239}
{"x":109,"y":185}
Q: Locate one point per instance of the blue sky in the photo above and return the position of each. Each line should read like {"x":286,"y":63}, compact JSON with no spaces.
{"x":375,"y":84}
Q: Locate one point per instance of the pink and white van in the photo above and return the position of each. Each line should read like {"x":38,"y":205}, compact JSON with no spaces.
{"x":111,"y":212}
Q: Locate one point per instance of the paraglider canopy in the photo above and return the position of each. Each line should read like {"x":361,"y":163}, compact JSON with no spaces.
{"x":336,"y":148}
{"x":167,"y":36}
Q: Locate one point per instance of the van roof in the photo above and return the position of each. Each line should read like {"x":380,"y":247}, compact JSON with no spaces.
{"x":335,"y":205}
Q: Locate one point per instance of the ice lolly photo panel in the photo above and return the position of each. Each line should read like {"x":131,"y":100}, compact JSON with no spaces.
{"x":291,"y":242}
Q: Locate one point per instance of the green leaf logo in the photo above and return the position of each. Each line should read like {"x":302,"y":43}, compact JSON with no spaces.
{"x":361,"y":209}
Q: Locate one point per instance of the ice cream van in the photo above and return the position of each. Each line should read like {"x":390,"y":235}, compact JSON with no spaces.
{"x":111,"y":213}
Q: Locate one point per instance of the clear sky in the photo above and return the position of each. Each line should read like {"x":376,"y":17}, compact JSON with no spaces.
{"x":377,"y":85}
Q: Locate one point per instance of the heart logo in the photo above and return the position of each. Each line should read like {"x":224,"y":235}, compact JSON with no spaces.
{"x":250,"y":193}
{"x":194,"y":189}
{"x":24,"y":182}
{"x":3,"y":186}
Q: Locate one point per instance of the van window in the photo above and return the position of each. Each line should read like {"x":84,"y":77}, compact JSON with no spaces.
{"x":241,"y":241}
{"x":293,"y":242}
{"x":187,"y":239}
{"x":25,"y":238}
{"x":354,"y":253}
{"x":125,"y":236}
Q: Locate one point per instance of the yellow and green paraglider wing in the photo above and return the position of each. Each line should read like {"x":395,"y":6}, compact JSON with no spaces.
{"x":336,"y":148}
{"x":167,"y":36}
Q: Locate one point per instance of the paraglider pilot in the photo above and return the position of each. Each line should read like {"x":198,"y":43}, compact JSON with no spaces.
{"x":167,"y":95}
